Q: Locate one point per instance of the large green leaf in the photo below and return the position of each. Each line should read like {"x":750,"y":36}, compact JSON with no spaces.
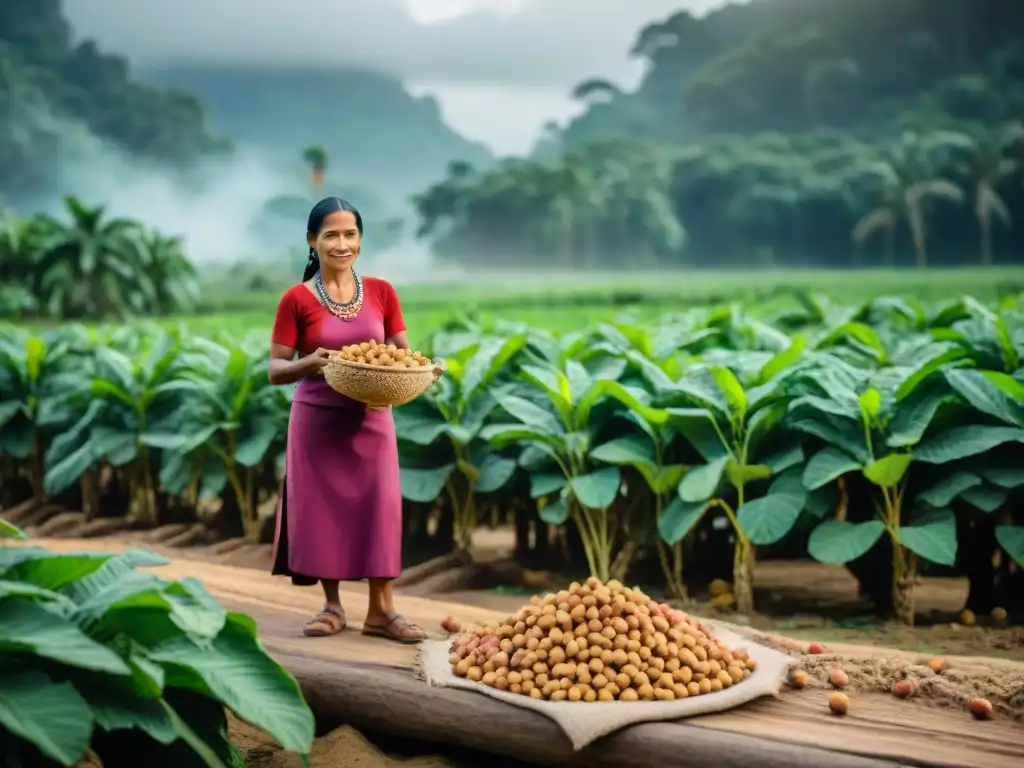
{"x":932,"y":537}
{"x":628,"y":396}
{"x":948,"y":488}
{"x":1005,"y":471}
{"x":768,"y":519}
{"x":701,"y":482}
{"x":52,"y":716}
{"x":28,"y":627}
{"x":11,"y":531}
{"x":424,"y":485}
{"x":65,"y":473}
{"x":597,"y":490}
{"x":55,"y":600}
{"x":255,"y":441}
{"x":888,"y":471}
{"x":835,"y":431}
{"x":986,"y":497}
{"x":118,"y":709}
{"x":962,"y":442}
{"x":915,"y":414}
{"x":555,"y":513}
{"x":838,"y":542}
{"x":678,"y":519}
{"x":494,"y":472}
{"x":46,"y":569}
{"x":237,"y":670}
{"x":983,"y":394}
{"x":933,"y":360}
{"x":489,"y":359}
{"x":529,"y":413}
{"x":698,"y":426}
{"x":827,"y":465}
{"x":631,"y":450}
{"x":419,"y":425}
{"x":543,"y":483}
{"x":1011,"y":538}
{"x":782,"y":360}
{"x":732,"y":391}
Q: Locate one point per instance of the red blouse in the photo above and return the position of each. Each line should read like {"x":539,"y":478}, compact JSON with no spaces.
{"x":299,"y":314}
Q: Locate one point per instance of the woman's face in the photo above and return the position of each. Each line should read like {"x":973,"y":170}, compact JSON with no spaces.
{"x":338,"y":242}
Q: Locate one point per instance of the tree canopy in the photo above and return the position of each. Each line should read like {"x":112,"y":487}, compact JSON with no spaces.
{"x":52,"y":86}
{"x":783,"y":132}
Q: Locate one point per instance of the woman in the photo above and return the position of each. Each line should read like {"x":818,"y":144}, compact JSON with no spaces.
{"x":340,"y":514}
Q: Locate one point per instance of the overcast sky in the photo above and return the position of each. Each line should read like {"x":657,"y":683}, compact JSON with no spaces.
{"x":500,"y":68}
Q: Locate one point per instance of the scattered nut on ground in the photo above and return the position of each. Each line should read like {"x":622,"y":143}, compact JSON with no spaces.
{"x":798,"y":679}
{"x":451,"y":624}
{"x":981,"y":709}
{"x":903,"y":689}
{"x":815,"y":648}
{"x":838,"y":679}
{"x":937,"y":665}
{"x":839,"y":703}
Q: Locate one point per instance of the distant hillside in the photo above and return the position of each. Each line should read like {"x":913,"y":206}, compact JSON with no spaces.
{"x":376,"y":134}
{"x":800,"y":65}
{"x":54,"y":90}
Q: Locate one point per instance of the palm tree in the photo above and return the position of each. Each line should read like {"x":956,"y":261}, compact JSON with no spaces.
{"x":92,"y":266}
{"x":174,"y":278}
{"x":18,"y":254}
{"x":907,"y":179}
{"x":595,"y":89}
{"x":990,"y":162}
{"x":316,"y":157}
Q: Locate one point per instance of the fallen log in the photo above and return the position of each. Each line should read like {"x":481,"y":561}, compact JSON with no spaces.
{"x":40,"y":515}
{"x":61,"y":525}
{"x":16,"y":514}
{"x":102,"y":526}
{"x":377,"y":698}
{"x":228,"y":545}
{"x":418,"y":573}
{"x":193,"y":536}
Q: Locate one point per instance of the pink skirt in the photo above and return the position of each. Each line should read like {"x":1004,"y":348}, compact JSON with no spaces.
{"x":340,"y":512}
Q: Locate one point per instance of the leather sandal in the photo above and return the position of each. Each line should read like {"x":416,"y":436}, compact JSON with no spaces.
{"x":326,"y":623}
{"x":398,"y":628}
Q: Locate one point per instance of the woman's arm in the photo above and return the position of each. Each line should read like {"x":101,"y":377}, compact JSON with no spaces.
{"x":284,"y":343}
{"x":400,"y":340}
{"x":284,"y":369}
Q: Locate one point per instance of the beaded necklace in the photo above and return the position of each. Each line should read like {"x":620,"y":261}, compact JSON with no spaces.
{"x":349,"y":309}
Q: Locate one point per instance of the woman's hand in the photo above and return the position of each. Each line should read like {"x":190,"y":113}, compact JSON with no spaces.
{"x":315,"y":362}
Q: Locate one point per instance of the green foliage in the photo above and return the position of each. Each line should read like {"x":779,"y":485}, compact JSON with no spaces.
{"x":54,"y":86}
{"x":772,"y":133}
{"x":638,"y":436}
{"x":825,"y":198}
{"x":100,"y":655}
{"x":91,"y":266}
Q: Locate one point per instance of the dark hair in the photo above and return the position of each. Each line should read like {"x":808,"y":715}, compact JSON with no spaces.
{"x":315,"y":222}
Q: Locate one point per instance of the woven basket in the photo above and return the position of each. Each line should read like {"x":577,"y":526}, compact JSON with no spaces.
{"x":378,"y":385}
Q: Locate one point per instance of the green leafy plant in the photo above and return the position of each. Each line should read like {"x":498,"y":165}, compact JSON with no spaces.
{"x":100,"y":655}
{"x":624,"y":433}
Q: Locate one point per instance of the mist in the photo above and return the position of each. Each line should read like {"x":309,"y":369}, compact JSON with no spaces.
{"x":216,"y":207}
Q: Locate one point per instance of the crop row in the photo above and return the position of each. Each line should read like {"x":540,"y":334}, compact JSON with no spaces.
{"x":843,"y":431}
